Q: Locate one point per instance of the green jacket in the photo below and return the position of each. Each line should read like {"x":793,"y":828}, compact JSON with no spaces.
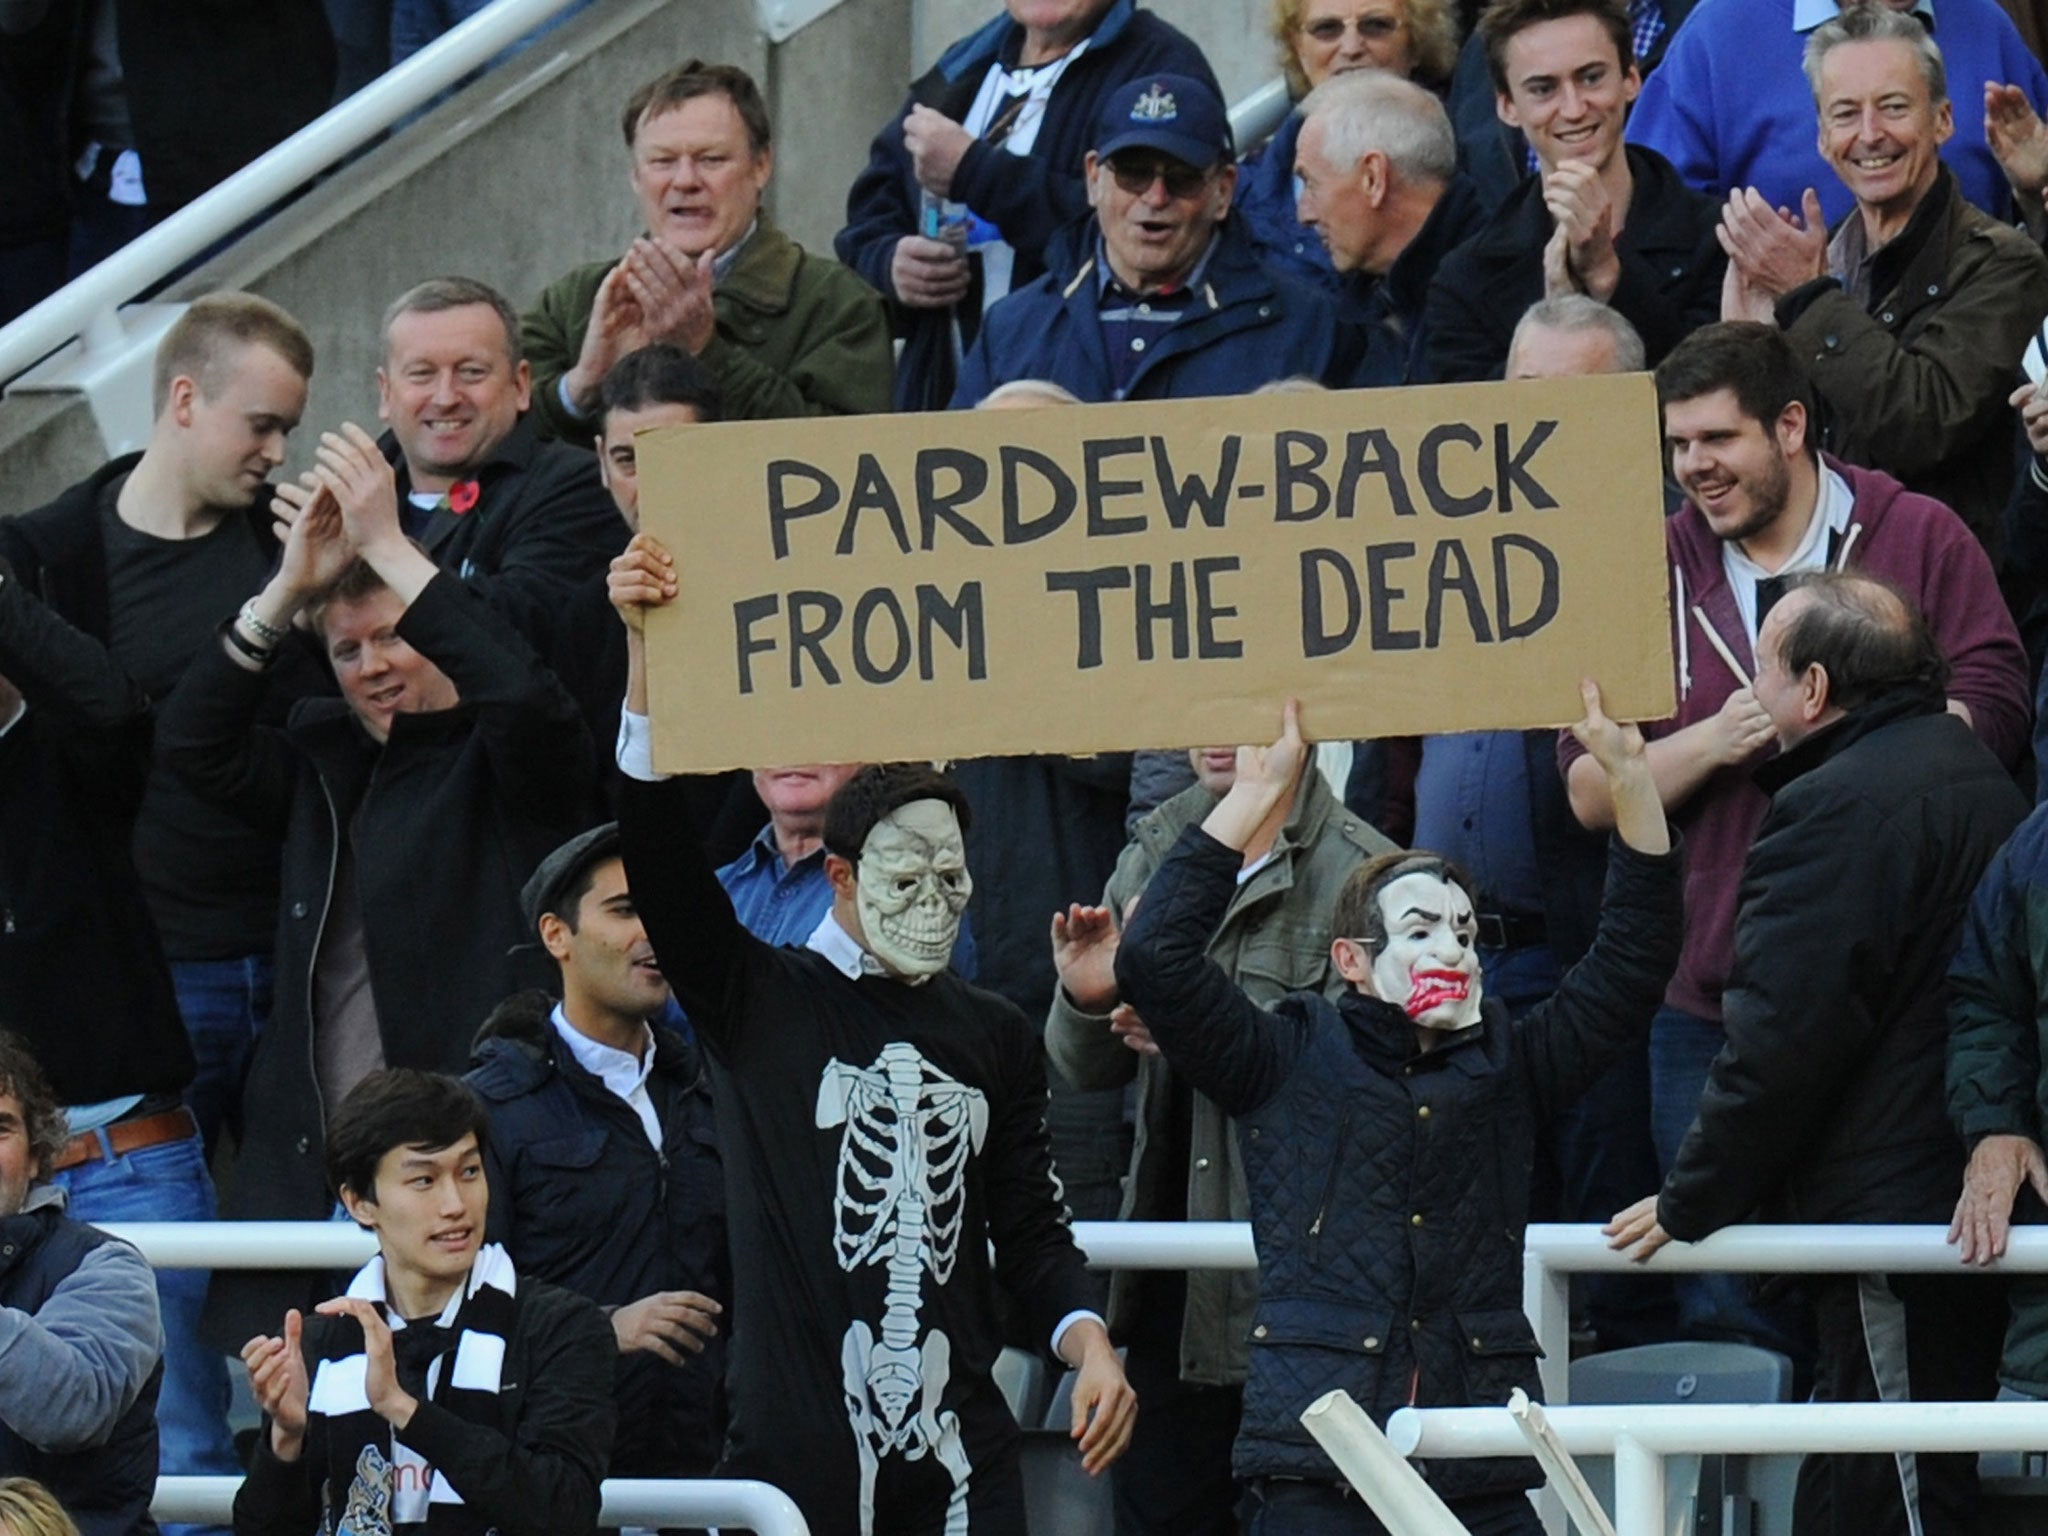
{"x":1274,"y":939}
{"x":1916,"y":384}
{"x":798,"y":335}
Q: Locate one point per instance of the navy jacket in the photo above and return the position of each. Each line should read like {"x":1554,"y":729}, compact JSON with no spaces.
{"x":1389,"y":1187}
{"x":581,"y":1199}
{"x":1265,"y":201}
{"x":105,"y":1487}
{"x":1028,"y":197}
{"x":1247,"y":328}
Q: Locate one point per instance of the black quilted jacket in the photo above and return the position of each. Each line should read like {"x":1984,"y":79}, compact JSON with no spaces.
{"x":1389,"y":1187}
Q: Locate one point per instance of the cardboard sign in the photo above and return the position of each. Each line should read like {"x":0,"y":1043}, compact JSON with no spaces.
{"x":1110,"y":577}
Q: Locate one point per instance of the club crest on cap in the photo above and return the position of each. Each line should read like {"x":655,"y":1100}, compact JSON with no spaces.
{"x":1155,"y":106}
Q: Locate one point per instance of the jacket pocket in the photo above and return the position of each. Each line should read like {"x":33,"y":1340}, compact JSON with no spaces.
{"x":566,"y":1200}
{"x":1500,"y":1353}
{"x":1304,"y":1346}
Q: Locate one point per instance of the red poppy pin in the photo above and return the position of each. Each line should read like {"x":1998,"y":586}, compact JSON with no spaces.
{"x":462,"y":497}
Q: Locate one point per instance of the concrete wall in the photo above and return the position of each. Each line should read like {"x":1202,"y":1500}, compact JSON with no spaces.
{"x":514,"y":180}
{"x":1231,"y":32}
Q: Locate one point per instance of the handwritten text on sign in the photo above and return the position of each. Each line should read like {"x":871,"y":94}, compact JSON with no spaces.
{"x":1108,"y":577}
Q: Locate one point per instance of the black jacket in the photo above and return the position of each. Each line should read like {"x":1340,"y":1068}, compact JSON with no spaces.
{"x":1671,"y":268}
{"x":82,"y":976}
{"x":1392,"y":311}
{"x":1389,"y":1188}
{"x":536,"y":547}
{"x":213,"y":85}
{"x":532,"y":1469}
{"x":59,"y":551}
{"x":1046,"y":831}
{"x":581,"y":1199}
{"x":450,"y":818}
{"x":1827,"y":1104}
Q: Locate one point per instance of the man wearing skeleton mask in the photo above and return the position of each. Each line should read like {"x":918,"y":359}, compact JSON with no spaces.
{"x":1388,"y":1136}
{"x":882,"y":1124}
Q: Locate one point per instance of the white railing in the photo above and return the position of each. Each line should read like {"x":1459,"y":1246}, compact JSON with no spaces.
{"x":1639,"y":1437}
{"x":733,"y":1505}
{"x":1553,"y":1254}
{"x":1254,"y":119}
{"x":343,"y":1245}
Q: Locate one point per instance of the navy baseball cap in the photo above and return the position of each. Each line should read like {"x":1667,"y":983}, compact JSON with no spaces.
{"x":1175,"y":114}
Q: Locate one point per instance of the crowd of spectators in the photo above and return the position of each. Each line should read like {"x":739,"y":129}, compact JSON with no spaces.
{"x":774,"y":1093}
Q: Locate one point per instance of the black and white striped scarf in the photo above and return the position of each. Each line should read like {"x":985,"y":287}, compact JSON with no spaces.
{"x":457,"y":1362}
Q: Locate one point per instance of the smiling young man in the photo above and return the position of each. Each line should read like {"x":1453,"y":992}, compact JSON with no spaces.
{"x":444,"y":1391}
{"x":410,"y":810}
{"x":1387,"y":1132}
{"x":1764,"y":505}
{"x":1912,"y":312}
{"x":1601,"y":218}
{"x":604,"y":1159}
{"x":1159,"y":295}
{"x":785,"y":332}
{"x":141,"y":560}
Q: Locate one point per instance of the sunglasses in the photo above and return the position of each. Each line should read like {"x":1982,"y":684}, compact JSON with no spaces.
{"x":1135,"y":175}
{"x":1330,"y":29}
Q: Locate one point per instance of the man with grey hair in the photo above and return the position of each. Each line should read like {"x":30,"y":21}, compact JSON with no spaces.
{"x":1911,"y":313}
{"x":528,"y":525}
{"x":1378,"y":167}
{"x":1573,"y":334}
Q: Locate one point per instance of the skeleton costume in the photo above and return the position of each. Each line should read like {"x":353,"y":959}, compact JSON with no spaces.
{"x":878,"y":1135}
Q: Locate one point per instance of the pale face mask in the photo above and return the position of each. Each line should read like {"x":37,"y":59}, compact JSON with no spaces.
{"x":912,"y":885}
{"x":1429,"y":966}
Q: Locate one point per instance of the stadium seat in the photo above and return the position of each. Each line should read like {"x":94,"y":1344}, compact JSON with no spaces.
{"x":1753,"y":1495}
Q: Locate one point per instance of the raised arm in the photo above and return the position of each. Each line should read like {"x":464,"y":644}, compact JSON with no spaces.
{"x":1609,"y":997}
{"x":703,"y":949}
{"x":1224,"y":1044}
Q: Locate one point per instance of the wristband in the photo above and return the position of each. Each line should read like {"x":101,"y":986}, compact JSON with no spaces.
{"x":270,"y":634}
{"x":260,"y":655}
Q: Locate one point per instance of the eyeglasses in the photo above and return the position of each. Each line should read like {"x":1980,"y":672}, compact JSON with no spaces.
{"x":1371,"y":29}
{"x":1136,"y":175}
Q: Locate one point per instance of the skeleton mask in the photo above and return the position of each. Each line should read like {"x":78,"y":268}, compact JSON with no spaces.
{"x":1428,"y":964}
{"x":912,"y":887}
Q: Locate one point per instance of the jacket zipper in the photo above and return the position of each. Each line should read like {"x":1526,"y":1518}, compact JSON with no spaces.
{"x":313,"y":960}
{"x":1315,"y":1228}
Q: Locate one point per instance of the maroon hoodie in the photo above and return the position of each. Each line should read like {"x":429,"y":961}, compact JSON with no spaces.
{"x":1910,"y":540}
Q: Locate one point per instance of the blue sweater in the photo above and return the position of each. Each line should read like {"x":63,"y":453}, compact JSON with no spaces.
{"x":1730,"y":107}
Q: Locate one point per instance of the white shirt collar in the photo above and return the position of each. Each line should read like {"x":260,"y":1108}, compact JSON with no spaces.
{"x":846,"y":955}
{"x":618,"y":1070}
{"x":20,"y":709}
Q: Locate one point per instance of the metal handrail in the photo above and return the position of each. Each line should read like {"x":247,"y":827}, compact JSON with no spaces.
{"x":729,"y":1504}
{"x":87,"y":308}
{"x":343,"y":1245}
{"x":1640,"y":1436}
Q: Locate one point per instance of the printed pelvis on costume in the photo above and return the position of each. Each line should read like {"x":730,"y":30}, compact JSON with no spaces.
{"x":900,"y":1202}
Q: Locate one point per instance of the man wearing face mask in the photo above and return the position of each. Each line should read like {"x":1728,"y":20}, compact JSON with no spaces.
{"x":1388,"y":1136}
{"x":882,"y":1124}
